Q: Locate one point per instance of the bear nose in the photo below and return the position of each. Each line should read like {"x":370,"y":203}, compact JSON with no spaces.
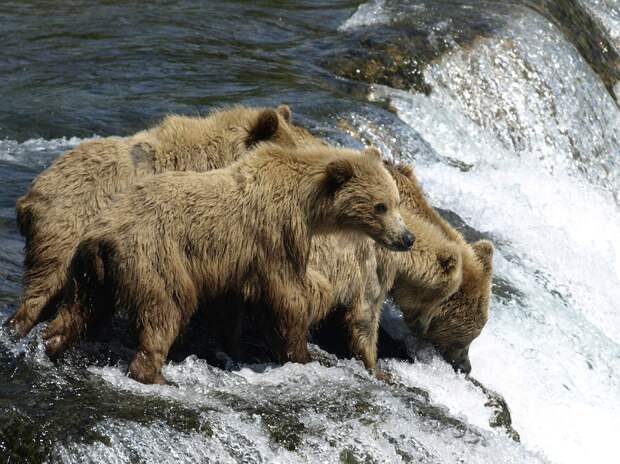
{"x":463,"y":366}
{"x":408,"y":240}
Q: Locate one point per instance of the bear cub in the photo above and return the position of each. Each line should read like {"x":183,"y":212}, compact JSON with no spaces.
{"x":174,"y":241}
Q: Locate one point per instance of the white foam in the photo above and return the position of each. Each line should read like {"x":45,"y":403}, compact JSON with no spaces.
{"x":607,"y":13}
{"x":336,"y":411}
{"x":447,"y":388}
{"x":156,"y":443}
{"x":377,"y":12}
{"x":38,"y":152}
{"x":510,"y":107}
{"x":367,"y":14}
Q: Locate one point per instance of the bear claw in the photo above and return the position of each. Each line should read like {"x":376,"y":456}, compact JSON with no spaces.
{"x":156,"y":379}
{"x":54,"y":345}
{"x":19,"y":325}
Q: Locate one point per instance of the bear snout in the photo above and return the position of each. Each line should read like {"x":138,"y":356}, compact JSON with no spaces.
{"x":404,"y":242}
{"x":408,"y":240}
{"x":458,"y":359}
{"x":462,"y":365}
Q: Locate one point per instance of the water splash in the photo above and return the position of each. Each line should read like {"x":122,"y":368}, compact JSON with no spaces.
{"x":536,"y":135}
{"x":36,"y":153}
{"x":607,"y":12}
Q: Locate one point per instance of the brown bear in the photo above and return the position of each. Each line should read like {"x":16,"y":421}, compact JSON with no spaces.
{"x":67,"y":196}
{"x":176,"y":240}
{"x":421,"y":279}
{"x":442,"y":285}
{"x":454,"y":324}
{"x":460,"y":319}
{"x":359,"y":278}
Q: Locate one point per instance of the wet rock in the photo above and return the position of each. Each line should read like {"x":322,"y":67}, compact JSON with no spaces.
{"x":391,"y":347}
{"x":398,"y":64}
{"x":586,"y":35}
{"x":378,"y":127}
{"x":417,"y":35}
{"x":470,"y":234}
{"x":281,"y":410}
{"x":40,"y":412}
{"x":501,"y":413}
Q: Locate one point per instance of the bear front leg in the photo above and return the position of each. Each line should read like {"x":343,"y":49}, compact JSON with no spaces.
{"x":302,"y":303}
{"x":26,"y":316}
{"x":295,"y":342}
{"x":363,"y":322}
{"x":292,"y":324}
{"x":161,"y":324}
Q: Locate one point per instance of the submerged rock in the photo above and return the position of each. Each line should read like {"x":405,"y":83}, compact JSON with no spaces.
{"x":502,"y":417}
{"x":55,"y":406}
{"x":393,"y":347}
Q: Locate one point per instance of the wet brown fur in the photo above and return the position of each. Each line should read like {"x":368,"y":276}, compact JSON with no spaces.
{"x":67,"y":196}
{"x":177,"y":240}
{"x":363,"y":274}
{"x":454,"y":324}
{"x":442,"y":284}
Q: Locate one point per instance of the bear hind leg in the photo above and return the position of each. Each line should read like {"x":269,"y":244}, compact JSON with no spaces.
{"x":161,"y":321}
{"x":87,"y":300}
{"x":38,"y":297}
{"x":45,"y":272}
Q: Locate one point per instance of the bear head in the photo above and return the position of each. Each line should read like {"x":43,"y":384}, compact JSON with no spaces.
{"x":365,"y":199}
{"x":276,"y":125}
{"x":428,"y":274}
{"x":460,"y":319}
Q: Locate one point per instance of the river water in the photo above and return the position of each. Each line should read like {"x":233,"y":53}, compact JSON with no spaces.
{"x":507,"y":110}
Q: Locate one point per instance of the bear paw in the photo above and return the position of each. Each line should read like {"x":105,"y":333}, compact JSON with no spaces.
{"x":19,"y":324}
{"x":54,"y":345}
{"x":143,"y":370}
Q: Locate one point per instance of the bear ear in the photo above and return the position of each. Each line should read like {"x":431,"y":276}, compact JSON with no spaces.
{"x":405,"y":169}
{"x":264,"y":128}
{"x":373,"y":153}
{"x":285,"y":112}
{"x":484,"y":251}
{"x":339,"y":172}
{"x":449,"y":259}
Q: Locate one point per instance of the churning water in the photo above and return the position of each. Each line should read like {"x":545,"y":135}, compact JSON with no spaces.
{"x":510,"y":124}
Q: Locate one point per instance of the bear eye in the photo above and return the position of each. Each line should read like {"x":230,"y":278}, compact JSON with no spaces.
{"x":381,"y":208}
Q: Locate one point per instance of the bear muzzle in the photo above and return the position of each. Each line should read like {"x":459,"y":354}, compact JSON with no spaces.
{"x":404,"y":242}
{"x":458,"y":359}
{"x":462,"y":365}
